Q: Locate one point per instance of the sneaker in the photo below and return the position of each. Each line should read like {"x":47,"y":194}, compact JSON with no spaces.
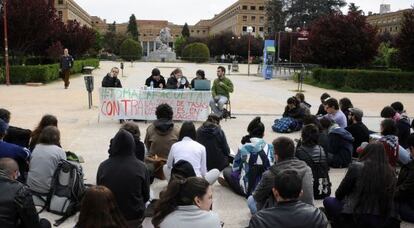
{"x":223,"y":182}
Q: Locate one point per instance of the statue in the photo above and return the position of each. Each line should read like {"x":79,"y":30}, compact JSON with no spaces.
{"x":163,"y":52}
{"x":164,"y":39}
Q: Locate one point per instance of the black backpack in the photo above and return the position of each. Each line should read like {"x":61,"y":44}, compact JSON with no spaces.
{"x":67,"y":190}
{"x":321,"y":181}
{"x":256,"y":170}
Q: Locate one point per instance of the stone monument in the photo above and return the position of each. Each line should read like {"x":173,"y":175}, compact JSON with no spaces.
{"x":163,"y":52}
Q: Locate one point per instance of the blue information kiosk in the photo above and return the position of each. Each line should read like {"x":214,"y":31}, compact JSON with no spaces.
{"x":268,"y":59}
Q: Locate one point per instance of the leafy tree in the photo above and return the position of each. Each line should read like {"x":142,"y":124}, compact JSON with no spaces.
{"x":186,"y":31}
{"x":130,"y":50}
{"x":109,"y":39}
{"x":78,"y":39}
{"x":342,"y":40}
{"x":405,"y":41}
{"x":55,"y":51}
{"x":32,"y":25}
{"x":276,"y":17}
{"x":179,"y":44}
{"x":132,"y":29}
{"x":386,"y":55}
{"x":196,"y":52}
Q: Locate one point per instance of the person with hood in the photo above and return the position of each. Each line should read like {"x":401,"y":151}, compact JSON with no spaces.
{"x":252,"y":159}
{"x":133,"y":128}
{"x":126,"y":177}
{"x":156,"y":79}
{"x":339,"y":146}
{"x":160,"y":136}
{"x":15,"y":135}
{"x":284,"y":149}
{"x":212,"y":137}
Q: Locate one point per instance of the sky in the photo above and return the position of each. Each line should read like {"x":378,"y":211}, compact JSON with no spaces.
{"x":190,"y":11}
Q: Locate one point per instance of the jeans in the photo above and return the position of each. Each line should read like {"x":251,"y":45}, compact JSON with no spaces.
{"x":251,"y":203}
{"x":232,"y":181}
{"x":407,"y":211}
{"x":211,"y":176}
{"x":404,"y":156}
{"x":217,"y":104}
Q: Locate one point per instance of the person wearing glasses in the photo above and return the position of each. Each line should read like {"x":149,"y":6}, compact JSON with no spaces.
{"x":111,"y":79}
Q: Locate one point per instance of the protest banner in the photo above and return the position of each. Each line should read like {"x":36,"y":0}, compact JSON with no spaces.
{"x":140,"y":104}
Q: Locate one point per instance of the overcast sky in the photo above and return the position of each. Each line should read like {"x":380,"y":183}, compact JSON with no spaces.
{"x":190,"y":11}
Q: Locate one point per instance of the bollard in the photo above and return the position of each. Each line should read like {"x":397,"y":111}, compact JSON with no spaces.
{"x":89,"y":87}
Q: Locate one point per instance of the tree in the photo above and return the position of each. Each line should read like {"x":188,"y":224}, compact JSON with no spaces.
{"x":185,"y":32}
{"x":386,"y":56}
{"x":276,"y":17}
{"x":405,"y":41}
{"x":342,"y":40}
{"x":109,"y":41}
{"x":179,"y":44}
{"x":32,"y":26}
{"x":132,"y":29}
{"x":130,"y":50}
{"x":78,"y":39}
{"x":196,"y":52}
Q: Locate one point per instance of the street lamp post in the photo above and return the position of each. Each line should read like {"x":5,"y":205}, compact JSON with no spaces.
{"x":6,"y":49}
{"x":249,"y":31}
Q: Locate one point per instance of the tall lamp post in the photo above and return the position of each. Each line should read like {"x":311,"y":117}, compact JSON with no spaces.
{"x":3,"y":6}
{"x":249,"y":31}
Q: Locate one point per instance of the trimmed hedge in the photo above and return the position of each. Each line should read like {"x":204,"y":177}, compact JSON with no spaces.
{"x":367,"y":80}
{"x":43,"y":73}
{"x":196,"y":52}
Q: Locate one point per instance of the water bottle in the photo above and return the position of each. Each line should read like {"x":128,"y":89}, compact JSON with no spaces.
{"x":151,"y":85}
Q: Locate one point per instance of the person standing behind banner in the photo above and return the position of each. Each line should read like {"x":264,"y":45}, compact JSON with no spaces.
{"x":66,"y":63}
{"x":111,"y":79}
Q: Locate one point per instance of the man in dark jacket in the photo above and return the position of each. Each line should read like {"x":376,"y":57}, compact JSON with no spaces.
{"x":285,"y":155}
{"x":156,"y":78}
{"x":66,"y":63}
{"x":126,"y":177}
{"x":16,"y":203}
{"x":212,"y":137}
{"x":15,"y":135}
{"x":289,"y":211}
{"x":339,"y":148}
{"x":111,"y":79}
{"x":405,"y":186}
{"x":357,"y":129}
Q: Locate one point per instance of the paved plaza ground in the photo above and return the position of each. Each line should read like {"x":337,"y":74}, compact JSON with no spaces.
{"x":82,"y":133}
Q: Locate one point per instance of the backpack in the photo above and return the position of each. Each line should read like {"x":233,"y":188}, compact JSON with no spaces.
{"x":66,"y":190}
{"x":256,"y":171}
{"x":286,"y":125}
{"x":321,"y":180}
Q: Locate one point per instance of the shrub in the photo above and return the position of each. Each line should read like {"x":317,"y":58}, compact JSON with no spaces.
{"x":130,"y":50}
{"x":196,"y":52}
{"x":367,"y":80}
{"x":43,"y":73}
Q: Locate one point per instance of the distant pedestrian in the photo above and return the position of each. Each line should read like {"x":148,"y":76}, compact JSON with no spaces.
{"x":66,"y":63}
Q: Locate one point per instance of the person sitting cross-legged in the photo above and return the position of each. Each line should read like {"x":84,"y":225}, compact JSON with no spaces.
{"x":252,"y":159}
{"x":289,"y":210}
{"x":190,"y":150}
{"x":284,"y":149}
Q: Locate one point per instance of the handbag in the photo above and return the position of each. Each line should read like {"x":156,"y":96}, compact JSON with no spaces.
{"x":321,"y":181}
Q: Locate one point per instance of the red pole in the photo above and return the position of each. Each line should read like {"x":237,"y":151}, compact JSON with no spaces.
{"x":6,"y":49}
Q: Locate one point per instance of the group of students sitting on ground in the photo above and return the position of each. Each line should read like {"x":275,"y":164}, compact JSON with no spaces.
{"x":279,"y":180}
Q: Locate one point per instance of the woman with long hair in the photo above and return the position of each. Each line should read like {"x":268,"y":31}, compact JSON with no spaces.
{"x":44,"y":160}
{"x":190,"y":150}
{"x":47,"y":120}
{"x":186,"y":204}
{"x":99,"y":209}
{"x":365,"y":196}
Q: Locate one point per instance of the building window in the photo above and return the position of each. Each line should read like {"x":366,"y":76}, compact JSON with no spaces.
{"x":261,"y":29}
{"x":198,"y":31}
{"x":244,"y":29}
{"x":252,"y":7}
{"x":244,"y":7}
{"x":261,"y":8}
{"x":60,"y":14}
{"x":192,"y":30}
{"x":244,"y":18}
{"x":261,"y":19}
{"x":254,"y":29}
{"x":390,"y":29}
{"x":60,"y":2}
{"x":204,"y":31}
{"x":253,"y":18}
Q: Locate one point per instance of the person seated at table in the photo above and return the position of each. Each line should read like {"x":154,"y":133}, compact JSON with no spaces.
{"x":200,"y":75}
{"x":111,"y":79}
{"x":222,"y":87}
{"x":156,"y":78}
{"x":177,"y":80}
